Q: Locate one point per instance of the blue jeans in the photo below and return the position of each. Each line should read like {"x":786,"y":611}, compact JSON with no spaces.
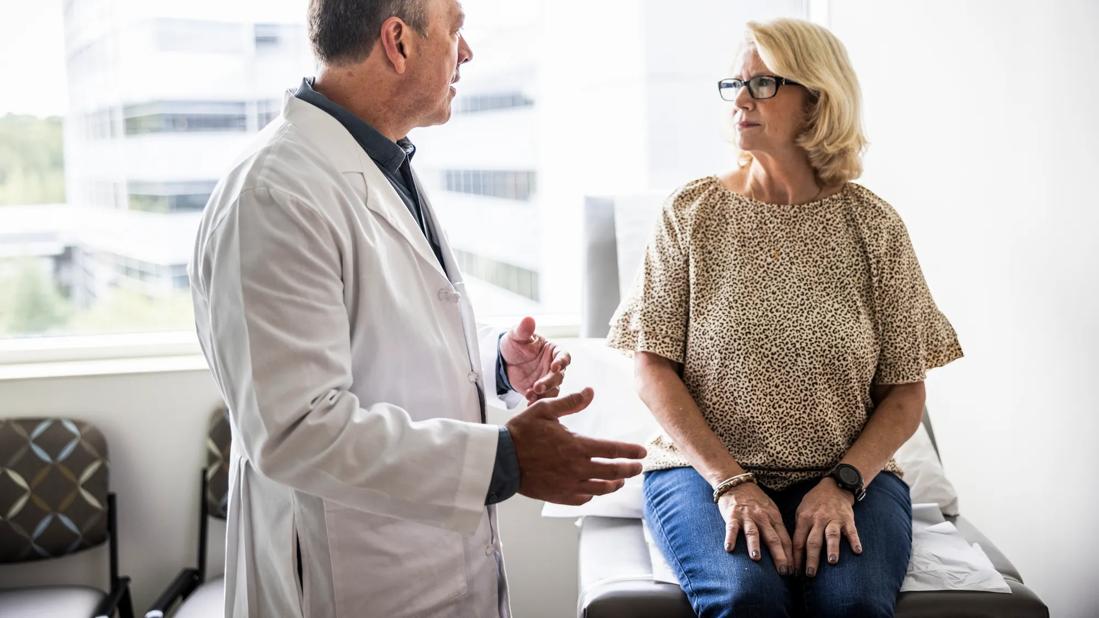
{"x":688,"y":528}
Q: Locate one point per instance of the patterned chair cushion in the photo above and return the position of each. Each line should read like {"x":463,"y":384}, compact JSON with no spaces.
{"x":218,"y":440}
{"x":53,"y":488}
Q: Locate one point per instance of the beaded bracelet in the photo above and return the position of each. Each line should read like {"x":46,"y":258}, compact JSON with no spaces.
{"x":724,"y":486}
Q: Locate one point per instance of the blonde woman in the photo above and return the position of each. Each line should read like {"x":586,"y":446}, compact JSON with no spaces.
{"x":782,"y":329}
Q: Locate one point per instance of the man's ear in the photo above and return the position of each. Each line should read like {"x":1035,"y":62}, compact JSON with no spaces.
{"x":396,"y":41}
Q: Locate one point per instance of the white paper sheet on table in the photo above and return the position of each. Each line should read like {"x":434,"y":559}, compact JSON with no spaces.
{"x":941,"y":558}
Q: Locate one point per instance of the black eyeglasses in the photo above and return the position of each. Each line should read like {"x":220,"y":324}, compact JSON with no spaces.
{"x":760,"y":86}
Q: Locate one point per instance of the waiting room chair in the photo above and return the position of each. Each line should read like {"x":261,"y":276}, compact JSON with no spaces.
{"x":189,"y":592}
{"x":54,"y":502}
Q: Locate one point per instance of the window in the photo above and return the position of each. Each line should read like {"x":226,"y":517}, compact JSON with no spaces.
{"x":511,"y":185}
{"x":192,"y":36}
{"x":266,"y":111}
{"x":170,"y":196}
{"x":521,"y":281}
{"x":139,"y":108}
{"x":185,"y":117}
{"x":273,"y":37}
{"x":489,"y":102}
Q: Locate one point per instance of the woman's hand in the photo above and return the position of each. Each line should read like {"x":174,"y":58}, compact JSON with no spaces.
{"x":747,"y":509}
{"x":823,"y":516}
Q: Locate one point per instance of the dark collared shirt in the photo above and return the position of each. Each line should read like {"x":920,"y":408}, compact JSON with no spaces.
{"x":394,"y":159}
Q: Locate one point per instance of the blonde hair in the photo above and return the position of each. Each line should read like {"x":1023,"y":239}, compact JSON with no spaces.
{"x":812,"y":56}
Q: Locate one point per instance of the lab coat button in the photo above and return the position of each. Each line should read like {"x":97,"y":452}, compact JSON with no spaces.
{"x":472,"y":377}
{"x":447,"y":295}
{"x":489,"y":549}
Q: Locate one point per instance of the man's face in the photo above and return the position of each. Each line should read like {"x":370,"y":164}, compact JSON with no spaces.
{"x":434,"y":68}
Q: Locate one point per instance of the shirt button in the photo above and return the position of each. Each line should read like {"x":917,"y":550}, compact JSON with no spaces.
{"x":472,"y":377}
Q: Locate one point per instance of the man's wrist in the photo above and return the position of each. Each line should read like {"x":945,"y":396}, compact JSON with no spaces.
{"x":506,"y":475}
{"x":503,"y":384}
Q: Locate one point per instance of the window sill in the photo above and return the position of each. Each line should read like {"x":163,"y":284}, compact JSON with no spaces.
{"x":98,"y":355}
{"x":102,"y":367}
{"x":36,"y":350}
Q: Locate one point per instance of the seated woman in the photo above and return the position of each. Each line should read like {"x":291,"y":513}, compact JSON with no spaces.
{"x":782,"y":330}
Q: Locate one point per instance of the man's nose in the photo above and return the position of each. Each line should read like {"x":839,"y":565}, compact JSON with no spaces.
{"x":465,"y":53}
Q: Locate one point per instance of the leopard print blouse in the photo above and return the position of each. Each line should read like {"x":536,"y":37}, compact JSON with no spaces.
{"x":782,"y":318}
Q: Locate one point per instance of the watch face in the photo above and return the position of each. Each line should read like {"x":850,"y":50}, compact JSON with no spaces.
{"x":848,"y":476}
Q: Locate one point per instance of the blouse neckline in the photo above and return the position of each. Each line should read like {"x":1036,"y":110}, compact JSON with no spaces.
{"x":751,"y":200}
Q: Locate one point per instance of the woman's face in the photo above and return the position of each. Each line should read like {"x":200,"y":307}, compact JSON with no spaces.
{"x":767,"y":125}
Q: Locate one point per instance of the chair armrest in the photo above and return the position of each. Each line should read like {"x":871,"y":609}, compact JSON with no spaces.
{"x":117,"y":599}
{"x":180,"y":588}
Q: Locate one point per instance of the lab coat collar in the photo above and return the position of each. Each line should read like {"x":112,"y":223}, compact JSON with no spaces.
{"x":347,"y":156}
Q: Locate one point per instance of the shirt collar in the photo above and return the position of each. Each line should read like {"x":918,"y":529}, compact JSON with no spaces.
{"x":378,"y":147}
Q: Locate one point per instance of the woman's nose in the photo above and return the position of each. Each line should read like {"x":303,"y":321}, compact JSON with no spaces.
{"x":744,"y":99}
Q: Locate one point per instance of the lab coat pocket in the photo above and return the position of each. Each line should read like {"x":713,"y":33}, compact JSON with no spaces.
{"x":392,"y":567}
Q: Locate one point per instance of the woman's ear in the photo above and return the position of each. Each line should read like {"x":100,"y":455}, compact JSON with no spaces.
{"x":395,"y":42}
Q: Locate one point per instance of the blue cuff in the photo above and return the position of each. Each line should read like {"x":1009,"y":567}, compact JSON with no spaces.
{"x":503,"y":385}
{"x":505,"y":473}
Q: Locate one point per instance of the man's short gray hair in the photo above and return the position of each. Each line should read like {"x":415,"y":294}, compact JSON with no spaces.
{"x":344,"y":31}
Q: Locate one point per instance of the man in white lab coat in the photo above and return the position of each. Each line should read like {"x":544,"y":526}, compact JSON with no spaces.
{"x":337,"y":326}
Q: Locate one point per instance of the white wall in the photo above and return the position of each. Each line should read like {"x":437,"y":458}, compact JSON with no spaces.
{"x":982,"y":121}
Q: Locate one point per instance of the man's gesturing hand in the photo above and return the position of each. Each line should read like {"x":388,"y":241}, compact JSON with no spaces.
{"x":536,"y":366}
{"x":559,"y":466}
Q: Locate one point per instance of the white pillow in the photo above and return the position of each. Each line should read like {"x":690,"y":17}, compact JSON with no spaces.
{"x":616,"y":413}
{"x":924,"y":473}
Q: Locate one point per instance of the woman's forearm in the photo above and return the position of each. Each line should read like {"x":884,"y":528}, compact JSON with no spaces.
{"x":896,"y":417}
{"x":667,"y":397}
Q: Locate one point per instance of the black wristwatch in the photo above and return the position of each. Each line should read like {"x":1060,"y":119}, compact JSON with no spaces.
{"x":848,"y":477}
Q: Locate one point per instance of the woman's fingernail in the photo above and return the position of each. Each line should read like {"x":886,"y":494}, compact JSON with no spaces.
{"x":810,"y":571}
{"x":832,"y":558}
{"x":858,"y":549}
{"x":755,"y":554}
{"x":728,"y":547}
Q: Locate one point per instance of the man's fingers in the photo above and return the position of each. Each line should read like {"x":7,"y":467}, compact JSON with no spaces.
{"x":611,"y":449}
{"x":560,"y":361}
{"x":597,"y":487}
{"x":612,"y":471}
{"x":549,"y":381}
{"x":569,"y":404}
{"x":571,"y":499}
{"x":832,"y":533}
{"x":523,"y":331}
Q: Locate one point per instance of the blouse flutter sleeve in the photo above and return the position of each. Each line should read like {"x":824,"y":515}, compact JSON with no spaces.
{"x":913,"y":334}
{"x":653,"y":318}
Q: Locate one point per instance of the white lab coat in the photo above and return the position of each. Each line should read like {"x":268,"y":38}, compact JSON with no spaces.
{"x":349,"y":362}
